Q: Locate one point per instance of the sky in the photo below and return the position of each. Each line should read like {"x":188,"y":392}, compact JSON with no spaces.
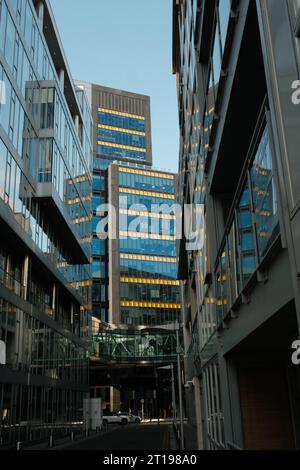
{"x":126,"y":44}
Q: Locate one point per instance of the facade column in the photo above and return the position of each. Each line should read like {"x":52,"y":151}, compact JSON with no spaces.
{"x":53,"y":300}
{"x":197,"y":397}
{"x":8,"y":264}
{"x":20,"y":326}
{"x":76,"y":122}
{"x":72,"y":316}
{"x":25,"y":275}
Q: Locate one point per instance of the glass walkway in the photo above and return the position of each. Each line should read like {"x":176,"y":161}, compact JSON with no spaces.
{"x":135,"y":344}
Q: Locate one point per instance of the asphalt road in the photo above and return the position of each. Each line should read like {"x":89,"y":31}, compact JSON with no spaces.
{"x":147,"y":436}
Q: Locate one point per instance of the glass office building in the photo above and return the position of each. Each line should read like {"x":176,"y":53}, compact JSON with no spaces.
{"x":122,"y":132}
{"x":143,"y":259}
{"x":238,"y":159}
{"x":45,"y":227}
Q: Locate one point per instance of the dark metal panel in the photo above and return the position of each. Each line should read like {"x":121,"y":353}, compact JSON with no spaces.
{"x":206,"y":30}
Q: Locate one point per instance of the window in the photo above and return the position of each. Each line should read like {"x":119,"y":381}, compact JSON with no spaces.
{"x":123,"y":138}
{"x":264,"y":194}
{"x":246,"y":238}
{"x":216,"y":57}
{"x":28,"y":24}
{"x":224,"y":13}
{"x":5,"y":108}
{"x":3,"y":16}
{"x":253,"y":229}
{"x":3,"y":155}
{"x":124,"y":122}
{"x":297,"y":5}
{"x":221,"y":22}
{"x":297,"y":26}
{"x":98,"y":269}
{"x":98,"y":247}
{"x":9,"y":42}
{"x":98,"y":183}
{"x":101,"y":164}
{"x":99,"y":292}
{"x":232,"y":263}
{"x":117,"y":152}
{"x":47,"y":107}
{"x":213,"y":403}
{"x":97,"y":201}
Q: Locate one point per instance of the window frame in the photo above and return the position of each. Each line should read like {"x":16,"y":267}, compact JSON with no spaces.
{"x":297,"y":25}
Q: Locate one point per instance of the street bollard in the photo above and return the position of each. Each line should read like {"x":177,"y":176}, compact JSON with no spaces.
{"x":51,"y":441}
{"x":72,"y":436}
{"x":19,"y":445}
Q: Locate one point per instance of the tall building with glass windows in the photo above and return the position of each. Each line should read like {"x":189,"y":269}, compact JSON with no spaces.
{"x":45,"y":227}
{"x":238,"y":157}
{"x":122,"y":132}
{"x":143,"y":267}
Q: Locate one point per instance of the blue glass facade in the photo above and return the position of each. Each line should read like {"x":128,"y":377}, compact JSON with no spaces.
{"x":99,"y":247}
{"x":121,"y":153}
{"x":108,"y":118}
{"x":149,"y":290}
{"x":121,"y":136}
{"x":144,"y":246}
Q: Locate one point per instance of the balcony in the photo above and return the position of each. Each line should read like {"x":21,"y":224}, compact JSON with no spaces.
{"x":52,"y":206}
{"x":9,"y":282}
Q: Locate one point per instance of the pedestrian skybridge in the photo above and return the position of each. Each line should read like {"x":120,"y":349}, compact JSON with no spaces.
{"x":121,"y":343}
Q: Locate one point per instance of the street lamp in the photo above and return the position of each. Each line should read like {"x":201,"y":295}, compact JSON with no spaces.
{"x":178,"y":351}
{"x":142,"y":402}
{"x":173,"y":395}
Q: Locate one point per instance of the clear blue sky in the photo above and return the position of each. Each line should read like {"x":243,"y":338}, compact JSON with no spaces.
{"x":126,"y":44}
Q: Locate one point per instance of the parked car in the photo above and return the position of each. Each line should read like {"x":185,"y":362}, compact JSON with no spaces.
{"x":115,"y":418}
{"x":132,"y":418}
{"x":135,"y":419}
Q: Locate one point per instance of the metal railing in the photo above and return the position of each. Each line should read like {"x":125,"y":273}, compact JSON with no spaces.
{"x":11,"y":283}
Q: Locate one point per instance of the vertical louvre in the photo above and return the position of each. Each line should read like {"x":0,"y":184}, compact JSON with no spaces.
{"x":124,"y":104}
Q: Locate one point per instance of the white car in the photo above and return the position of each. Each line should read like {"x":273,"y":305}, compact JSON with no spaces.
{"x":115,"y":418}
{"x":132,"y":418}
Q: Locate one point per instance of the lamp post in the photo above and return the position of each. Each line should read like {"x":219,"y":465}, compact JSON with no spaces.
{"x":173,"y":395}
{"x":179,"y":386}
{"x":156,"y":394}
{"x":142,"y":402}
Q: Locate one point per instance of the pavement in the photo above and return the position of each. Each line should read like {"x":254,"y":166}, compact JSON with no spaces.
{"x":143,"y":436}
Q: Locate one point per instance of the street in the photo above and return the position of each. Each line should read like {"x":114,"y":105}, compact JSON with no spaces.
{"x":146,"y":436}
